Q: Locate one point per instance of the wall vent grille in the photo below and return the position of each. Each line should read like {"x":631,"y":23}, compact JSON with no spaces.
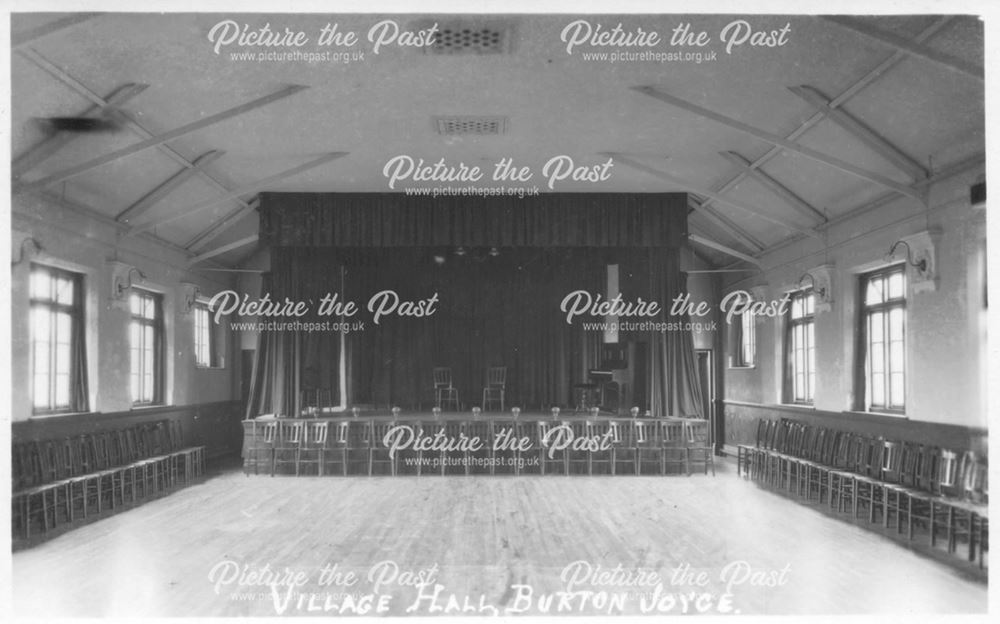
{"x":471,"y":125}
{"x":470,"y":38}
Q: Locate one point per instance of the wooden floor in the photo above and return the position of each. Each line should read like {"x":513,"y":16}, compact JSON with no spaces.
{"x":492,"y":543}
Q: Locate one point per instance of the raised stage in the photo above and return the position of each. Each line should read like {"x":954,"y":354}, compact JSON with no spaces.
{"x":481,"y":443}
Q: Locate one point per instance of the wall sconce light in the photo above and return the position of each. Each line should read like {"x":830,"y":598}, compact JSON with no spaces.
{"x":21,"y":255}
{"x":121,"y":281}
{"x":920,"y":265}
{"x":821,"y":280}
{"x":921,"y":254}
{"x":819,"y":290}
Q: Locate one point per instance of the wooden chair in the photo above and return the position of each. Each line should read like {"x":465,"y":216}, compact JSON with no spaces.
{"x":264,"y":434}
{"x":947,"y":489}
{"x":674,"y":445}
{"x":842,"y":476}
{"x":496,"y":387}
{"x":648,"y":448}
{"x":699,"y":446}
{"x":550,"y":458}
{"x":454,"y":461}
{"x":578,"y":460}
{"x":379,"y":460}
{"x":482,"y":430}
{"x":335,"y":459}
{"x":507,"y":458}
{"x":288,"y":445}
{"x":313,"y":448}
{"x":868,"y":476}
{"x":444,"y":392}
{"x":817,"y":472}
{"x":746,"y":452}
{"x":602,"y":461}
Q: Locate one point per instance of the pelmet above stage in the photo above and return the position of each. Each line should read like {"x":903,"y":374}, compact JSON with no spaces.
{"x":493,"y":273}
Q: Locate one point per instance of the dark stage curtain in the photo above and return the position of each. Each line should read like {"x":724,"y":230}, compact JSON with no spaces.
{"x":492,"y":311}
{"x":622,"y":220}
{"x":289,"y":362}
{"x":675,"y":384}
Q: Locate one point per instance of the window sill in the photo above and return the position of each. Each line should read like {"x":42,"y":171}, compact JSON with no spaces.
{"x":734,"y":367}
{"x":48,"y":415}
{"x":900,"y":415}
{"x":203,"y":367}
{"x":148,"y":406}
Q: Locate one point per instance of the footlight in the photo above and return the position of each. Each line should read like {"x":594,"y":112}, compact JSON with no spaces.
{"x":476,"y":411}
{"x":595,"y":412}
{"x":555,"y":413}
{"x":354,"y":411}
{"x":437,"y":412}
{"x":516,"y":411}
{"x":635,"y":412}
{"x":395,"y":413}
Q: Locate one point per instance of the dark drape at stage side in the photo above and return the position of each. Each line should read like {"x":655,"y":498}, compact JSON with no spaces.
{"x":675,"y":385}
{"x":290,"y":362}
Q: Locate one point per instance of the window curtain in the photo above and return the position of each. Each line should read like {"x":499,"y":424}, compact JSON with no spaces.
{"x":675,"y":385}
{"x":736,"y":341}
{"x":80,"y":398}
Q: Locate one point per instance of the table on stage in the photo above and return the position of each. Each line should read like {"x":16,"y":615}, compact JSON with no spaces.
{"x":489,"y":443}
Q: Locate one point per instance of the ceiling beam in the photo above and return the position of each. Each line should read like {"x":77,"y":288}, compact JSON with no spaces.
{"x":222,"y":225}
{"x":725,"y":224}
{"x":21,"y":39}
{"x":757,"y":212}
{"x":802,"y":206}
{"x":780,"y":141}
{"x":60,"y":138}
{"x":870,"y":77}
{"x":218,"y":251}
{"x":876,"y":142}
{"x":63,"y":77}
{"x":94,"y":163}
{"x":98,"y":217}
{"x":153,"y":197}
{"x":905,"y":45}
{"x":957,"y":168}
{"x":243,"y":190}
{"x":726,"y":250}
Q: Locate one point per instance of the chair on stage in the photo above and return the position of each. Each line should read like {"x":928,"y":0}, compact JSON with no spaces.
{"x":444,"y":391}
{"x":496,"y":386}
{"x":315,"y":401}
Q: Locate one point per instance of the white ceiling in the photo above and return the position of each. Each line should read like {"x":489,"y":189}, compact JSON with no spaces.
{"x":556,"y":104}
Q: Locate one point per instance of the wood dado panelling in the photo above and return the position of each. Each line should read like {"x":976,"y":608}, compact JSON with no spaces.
{"x":216,"y":426}
{"x":741,"y":426}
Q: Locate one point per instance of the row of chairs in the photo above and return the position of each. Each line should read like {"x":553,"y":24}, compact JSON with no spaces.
{"x":62,"y":480}
{"x":591,"y":446}
{"x":900,"y":484}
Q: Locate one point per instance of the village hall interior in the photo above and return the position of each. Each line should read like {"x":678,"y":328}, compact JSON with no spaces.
{"x":734,"y":325}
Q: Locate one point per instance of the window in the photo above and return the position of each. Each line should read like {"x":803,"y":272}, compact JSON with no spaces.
{"x":883,"y":323}
{"x":800,"y":349}
{"x":58,"y":373}
{"x":207,"y":342}
{"x":146,"y":349}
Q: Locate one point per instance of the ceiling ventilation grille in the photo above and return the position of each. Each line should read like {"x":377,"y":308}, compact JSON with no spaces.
{"x":475,"y":125}
{"x":470,"y":39}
